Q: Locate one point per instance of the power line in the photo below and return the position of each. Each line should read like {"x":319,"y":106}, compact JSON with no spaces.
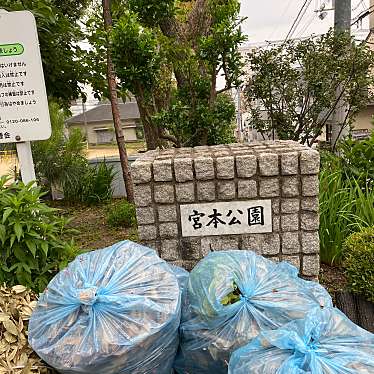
{"x":306,"y":26}
{"x":358,"y":5}
{"x":298,"y":18}
{"x":283,"y":14}
{"x":363,"y":15}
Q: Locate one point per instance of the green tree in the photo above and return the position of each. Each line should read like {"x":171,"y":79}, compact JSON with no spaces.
{"x":296,"y":83}
{"x":59,"y":34}
{"x":168,"y":54}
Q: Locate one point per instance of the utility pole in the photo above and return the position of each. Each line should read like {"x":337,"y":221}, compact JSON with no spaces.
{"x":342,"y":15}
{"x":342,"y":23}
{"x":112,"y":85}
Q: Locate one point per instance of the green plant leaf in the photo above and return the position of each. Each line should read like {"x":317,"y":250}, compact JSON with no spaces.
{"x":7,"y":213}
{"x":12,"y":240}
{"x":31,"y":246}
{"x":44,"y":246}
{"x":18,"y":230}
{"x":2,"y":233}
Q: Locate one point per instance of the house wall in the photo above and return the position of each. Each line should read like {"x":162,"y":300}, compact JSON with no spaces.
{"x":129,"y":129}
{"x":364,"y":119}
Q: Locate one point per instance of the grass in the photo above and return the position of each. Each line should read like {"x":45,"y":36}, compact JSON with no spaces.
{"x":345,"y":208}
{"x":93,"y":231}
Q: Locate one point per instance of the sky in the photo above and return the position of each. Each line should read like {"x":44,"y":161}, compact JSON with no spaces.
{"x":271,"y":19}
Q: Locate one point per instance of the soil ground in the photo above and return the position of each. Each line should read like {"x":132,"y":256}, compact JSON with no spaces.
{"x":93,"y":232}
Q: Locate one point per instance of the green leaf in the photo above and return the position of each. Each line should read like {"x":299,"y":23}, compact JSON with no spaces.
{"x":6,"y":213}
{"x":44,"y":247}
{"x":31,"y":246}
{"x":26,"y":267}
{"x":18,"y":230}
{"x":12,"y":240}
{"x":2,"y":233}
{"x":20,"y":254}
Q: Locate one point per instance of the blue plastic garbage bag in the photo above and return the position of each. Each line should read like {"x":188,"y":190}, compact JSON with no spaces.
{"x":325,"y":342}
{"x":271,"y":295}
{"x":115,"y":310}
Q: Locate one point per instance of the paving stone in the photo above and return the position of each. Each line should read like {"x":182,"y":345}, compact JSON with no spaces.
{"x":148,"y":232}
{"x":141,"y":172}
{"x":145,"y":216}
{"x":206,"y":191}
{"x":143,"y":195}
{"x":275,"y":206}
{"x":164,"y":193}
{"x":183,"y":169}
{"x":204,"y":168}
{"x":246,"y":166}
{"x":218,"y":243}
{"x":290,"y":242}
{"x":290,"y":222}
{"x":167,"y":213}
{"x":269,"y":187}
{"x":310,"y":242}
{"x":290,"y":186}
{"x":162,"y":171}
{"x":168,"y":230}
{"x":309,"y":162}
{"x":293,"y":260}
{"x":185,"y":192}
{"x":310,"y":221}
{"x":225,"y":167}
{"x":310,"y":185}
{"x":290,"y":205}
{"x":226,"y":190}
{"x":290,"y":163}
{"x":311,"y":265}
{"x":310,"y":204}
{"x":170,"y":250}
{"x":268,"y":164}
{"x":263,"y":244}
{"x":191,"y":249}
{"x":247,"y":188}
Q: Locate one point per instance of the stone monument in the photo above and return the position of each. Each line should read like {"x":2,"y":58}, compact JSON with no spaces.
{"x":259,"y":196}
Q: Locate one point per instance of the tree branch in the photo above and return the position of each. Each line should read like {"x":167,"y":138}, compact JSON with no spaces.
{"x":222,"y":90}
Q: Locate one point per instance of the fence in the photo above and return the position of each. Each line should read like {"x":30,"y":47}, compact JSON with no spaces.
{"x":118,"y":184}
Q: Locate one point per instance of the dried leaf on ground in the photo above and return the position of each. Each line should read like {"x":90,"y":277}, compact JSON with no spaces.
{"x":16,"y":356}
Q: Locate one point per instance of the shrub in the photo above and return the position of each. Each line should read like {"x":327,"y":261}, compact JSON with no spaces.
{"x":94,"y":185}
{"x":357,"y":159}
{"x":122,"y":214}
{"x":358,"y":254}
{"x":345,"y":207}
{"x":32,"y":248}
{"x":59,"y":159}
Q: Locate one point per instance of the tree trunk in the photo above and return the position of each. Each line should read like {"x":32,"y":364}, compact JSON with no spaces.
{"x":151,"y":138}
{"x":112,"y":86}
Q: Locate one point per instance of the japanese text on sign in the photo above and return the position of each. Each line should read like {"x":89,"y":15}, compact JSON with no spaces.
{"x":226,"y":218}
{"x":24,"y":114}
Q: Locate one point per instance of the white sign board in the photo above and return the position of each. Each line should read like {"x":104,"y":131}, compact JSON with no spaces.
{"x":24,"y":114}
{"x":226,"y":218}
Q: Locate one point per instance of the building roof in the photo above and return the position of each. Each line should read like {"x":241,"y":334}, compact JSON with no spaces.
{"x":103,"y":113}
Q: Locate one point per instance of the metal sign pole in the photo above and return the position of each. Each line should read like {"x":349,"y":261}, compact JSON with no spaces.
{"x":26,"y":163}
